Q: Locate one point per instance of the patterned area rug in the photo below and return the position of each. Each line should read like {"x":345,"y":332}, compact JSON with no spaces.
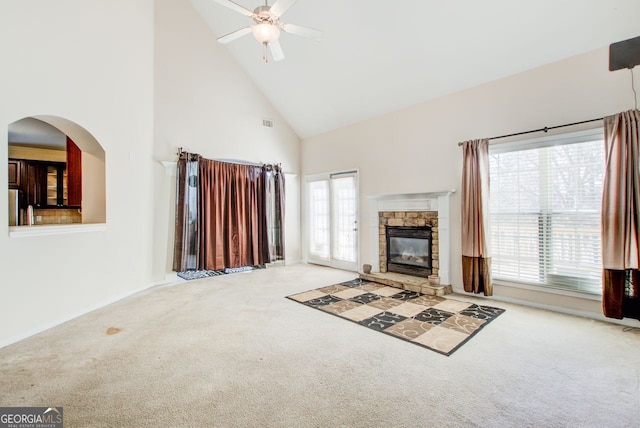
{"x":442,"y":325}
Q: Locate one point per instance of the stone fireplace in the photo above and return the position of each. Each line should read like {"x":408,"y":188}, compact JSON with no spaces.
{"x":426,"y":213}
{"x":406,"y":242}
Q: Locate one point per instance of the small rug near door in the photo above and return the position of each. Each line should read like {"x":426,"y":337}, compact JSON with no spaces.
{"x":442,"y":325}
{"x":199,"y":274}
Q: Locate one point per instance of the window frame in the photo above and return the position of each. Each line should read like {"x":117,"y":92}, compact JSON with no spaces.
{"x":556,"y":139}
{"x":331,"y":261}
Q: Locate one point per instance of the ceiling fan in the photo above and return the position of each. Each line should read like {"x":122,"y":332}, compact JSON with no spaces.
{"x":267,"y":26}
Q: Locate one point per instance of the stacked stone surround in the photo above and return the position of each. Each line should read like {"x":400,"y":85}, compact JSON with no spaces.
{"x":409,"y":218}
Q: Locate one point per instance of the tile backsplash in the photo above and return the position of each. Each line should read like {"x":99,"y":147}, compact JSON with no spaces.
{"x":57,"y":216}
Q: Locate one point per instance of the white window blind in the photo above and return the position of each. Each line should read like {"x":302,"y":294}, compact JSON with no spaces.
{"x":545,"y":211}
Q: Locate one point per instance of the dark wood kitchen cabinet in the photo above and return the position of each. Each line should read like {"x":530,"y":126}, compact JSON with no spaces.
{"x":15,"y":173}
{"x":44,"y":184}
{"x":48,"y":184}
{"x":56,"y":182}
{"x":34,"y":178}
{"x":74,"y":174}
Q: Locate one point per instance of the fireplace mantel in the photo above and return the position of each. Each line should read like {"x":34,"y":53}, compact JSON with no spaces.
{"x":424,"y":201}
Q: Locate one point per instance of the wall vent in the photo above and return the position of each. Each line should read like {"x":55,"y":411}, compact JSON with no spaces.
{"x":267,"y":122}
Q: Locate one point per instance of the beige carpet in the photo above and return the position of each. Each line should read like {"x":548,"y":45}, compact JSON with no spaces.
{"x":232,"y":351}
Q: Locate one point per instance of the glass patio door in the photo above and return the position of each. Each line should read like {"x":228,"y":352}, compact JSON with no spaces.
{"x":333,"y":220}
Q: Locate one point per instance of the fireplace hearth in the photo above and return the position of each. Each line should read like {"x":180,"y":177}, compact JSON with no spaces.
{"x":409,"y":250}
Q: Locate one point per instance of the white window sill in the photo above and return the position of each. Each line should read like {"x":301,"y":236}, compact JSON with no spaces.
{"x":54,"y":229}
{"x":548,"y":290}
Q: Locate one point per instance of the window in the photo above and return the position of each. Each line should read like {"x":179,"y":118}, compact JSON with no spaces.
{"x":332,"y":219}
{"x":319,"y":219}
{"x":545,"y":211}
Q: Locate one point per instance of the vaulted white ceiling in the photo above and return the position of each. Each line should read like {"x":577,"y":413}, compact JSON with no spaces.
{"x":382,"y":56}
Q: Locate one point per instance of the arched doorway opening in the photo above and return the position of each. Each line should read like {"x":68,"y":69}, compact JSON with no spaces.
{"x":56,"y":171}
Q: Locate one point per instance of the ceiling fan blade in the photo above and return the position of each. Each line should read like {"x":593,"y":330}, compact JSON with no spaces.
{"x":235,"y":6}
{"x":281,"y":6}
{"x":234,"y":35}
{"x":276,"y":51}
{"x":302,"y":31}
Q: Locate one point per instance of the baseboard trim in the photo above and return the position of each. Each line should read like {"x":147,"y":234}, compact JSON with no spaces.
{"x":584,"y":314}
{"x":47,"y":326}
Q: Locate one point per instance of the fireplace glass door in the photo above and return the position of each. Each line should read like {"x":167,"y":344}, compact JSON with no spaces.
{"x":332,"y":220}
{"x":409,"y":250}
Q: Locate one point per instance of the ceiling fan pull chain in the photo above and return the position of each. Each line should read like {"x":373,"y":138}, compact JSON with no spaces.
{"x":264,"y":55}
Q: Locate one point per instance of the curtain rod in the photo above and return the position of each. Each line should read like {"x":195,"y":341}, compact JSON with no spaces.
{"x":545,"y":129}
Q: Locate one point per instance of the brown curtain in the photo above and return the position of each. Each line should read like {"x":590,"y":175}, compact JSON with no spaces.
{"x":621,"y":216}
{"x":476,"y":260}
{"x":233,"y":228}
{"x":186,"y":244}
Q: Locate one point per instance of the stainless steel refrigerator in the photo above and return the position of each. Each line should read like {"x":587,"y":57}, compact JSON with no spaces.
{"x":14,"y":207}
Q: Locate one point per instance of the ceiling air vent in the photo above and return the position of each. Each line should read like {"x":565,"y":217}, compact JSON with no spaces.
{"x":267,"y":122}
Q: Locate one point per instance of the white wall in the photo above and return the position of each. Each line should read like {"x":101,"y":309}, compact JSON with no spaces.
{"x":91,"y":63}
{"x":97,"y":64}
{"x":415,"y":150}
{"x":206,"y":104}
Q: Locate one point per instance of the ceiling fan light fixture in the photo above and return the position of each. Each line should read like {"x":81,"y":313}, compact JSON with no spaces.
{"x":265,"y":32}
{"x":267,"y":26}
